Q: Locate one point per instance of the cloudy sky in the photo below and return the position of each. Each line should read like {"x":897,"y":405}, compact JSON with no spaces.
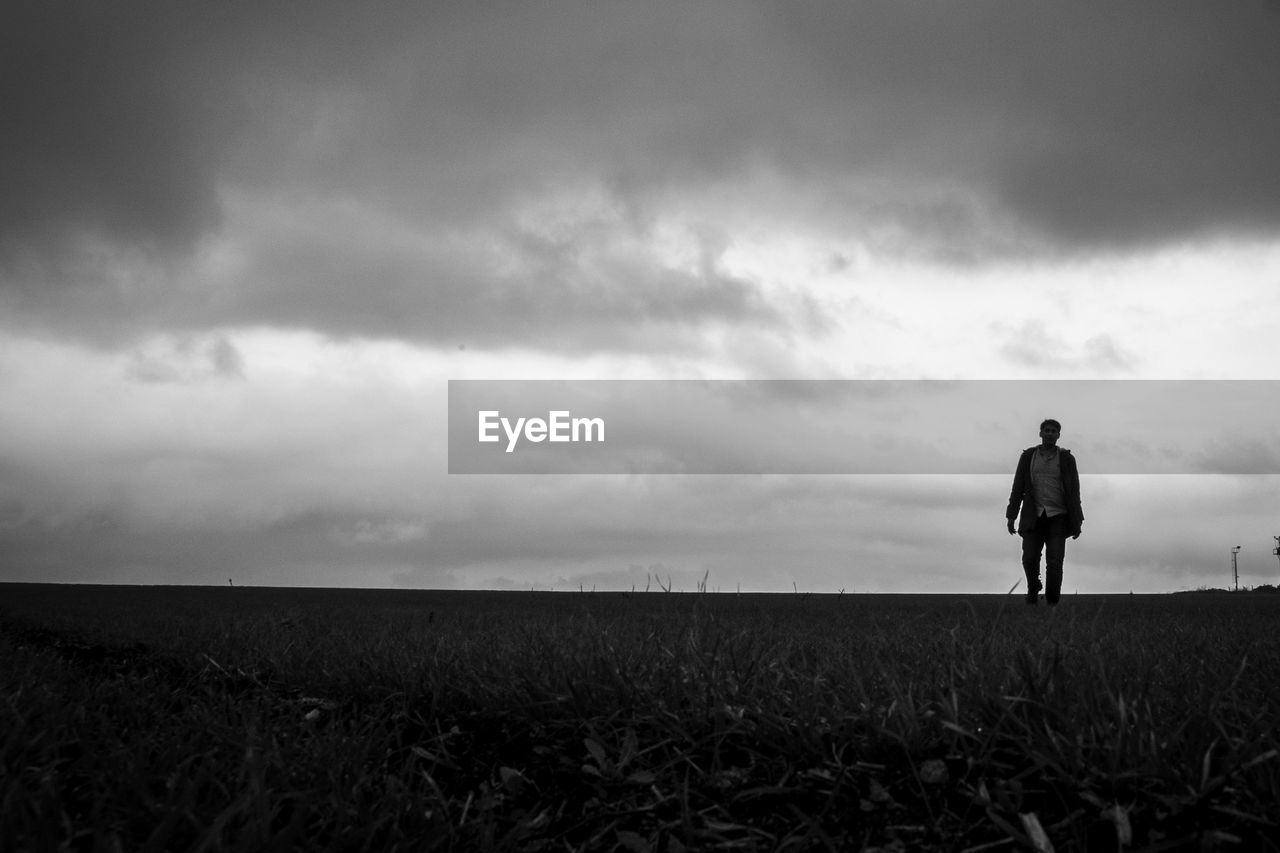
{"x":244,"y":248}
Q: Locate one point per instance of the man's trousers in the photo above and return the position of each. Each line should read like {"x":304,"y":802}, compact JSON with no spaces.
{"x":1049,"y":534}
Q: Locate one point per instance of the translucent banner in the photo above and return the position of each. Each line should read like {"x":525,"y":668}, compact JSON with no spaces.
{"x":859,"y":427}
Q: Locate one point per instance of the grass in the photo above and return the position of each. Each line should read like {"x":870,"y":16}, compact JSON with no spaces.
{"x":229,"y":719}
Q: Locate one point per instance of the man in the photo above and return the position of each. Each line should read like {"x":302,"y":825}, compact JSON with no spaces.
{"x":1047,"y":487}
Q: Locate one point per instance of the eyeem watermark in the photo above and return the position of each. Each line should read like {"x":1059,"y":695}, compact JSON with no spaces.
{"x":858,"y":427}
{"x":558,"y":427}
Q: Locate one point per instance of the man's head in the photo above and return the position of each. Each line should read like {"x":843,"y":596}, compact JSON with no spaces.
{"x":1049,"y":432}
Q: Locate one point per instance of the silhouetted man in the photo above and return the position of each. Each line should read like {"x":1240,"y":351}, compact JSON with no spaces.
{"x":1047,"y":487}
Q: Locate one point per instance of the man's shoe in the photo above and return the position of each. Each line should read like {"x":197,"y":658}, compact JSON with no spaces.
{"x":1031,"y":598}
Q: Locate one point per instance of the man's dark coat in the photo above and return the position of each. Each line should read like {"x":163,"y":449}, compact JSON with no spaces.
{"x":1022,"y":492}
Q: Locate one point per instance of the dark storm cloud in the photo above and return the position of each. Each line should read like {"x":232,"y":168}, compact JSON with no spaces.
{"x":121,"y":118}
{"x":949,"y":131}
{"x":342,"y":275}
{"x":100,"y":135}
{"x":1099,"y":126}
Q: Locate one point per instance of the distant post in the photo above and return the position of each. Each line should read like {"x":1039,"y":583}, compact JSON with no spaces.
{"x":1235,"y":572}
{"x":1276,"y":550}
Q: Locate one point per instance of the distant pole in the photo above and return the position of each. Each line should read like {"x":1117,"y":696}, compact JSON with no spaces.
{"x":1276,"y":550}
{"x":1235,"y":572}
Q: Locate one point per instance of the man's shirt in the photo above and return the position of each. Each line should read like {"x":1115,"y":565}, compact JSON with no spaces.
{"x":1046,"y":483}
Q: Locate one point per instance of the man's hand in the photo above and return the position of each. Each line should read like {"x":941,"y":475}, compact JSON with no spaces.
{"x":1075,"y":535}
{"x":1011,"y":530}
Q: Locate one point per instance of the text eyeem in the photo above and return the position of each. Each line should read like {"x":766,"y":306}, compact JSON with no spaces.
{"x":558,"y":426}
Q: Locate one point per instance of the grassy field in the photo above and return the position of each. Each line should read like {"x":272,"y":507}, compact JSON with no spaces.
{"x":187,"y":718}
